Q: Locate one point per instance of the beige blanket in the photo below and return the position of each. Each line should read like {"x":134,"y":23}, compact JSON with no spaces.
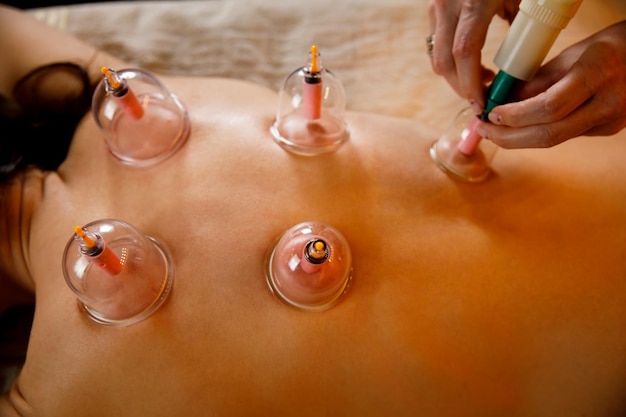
{"x":375,"y":47}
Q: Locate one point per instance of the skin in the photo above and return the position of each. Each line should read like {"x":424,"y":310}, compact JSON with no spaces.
{"x":581,"y":91}
{"x":500,"y":298}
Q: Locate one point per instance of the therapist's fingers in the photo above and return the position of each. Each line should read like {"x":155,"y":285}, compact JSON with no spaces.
{"x":469,"y":39}
{"x":443,"y":19}
{"x":460,"y":28}
{"x":591,"y":119}
{"x":550,"y":106}
{"x":599,"y":116}
{"x":571,"y":83}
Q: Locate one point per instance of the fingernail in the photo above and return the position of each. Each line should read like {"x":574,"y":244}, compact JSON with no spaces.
{"x":495,"y":118}
{"x":475,"y":107}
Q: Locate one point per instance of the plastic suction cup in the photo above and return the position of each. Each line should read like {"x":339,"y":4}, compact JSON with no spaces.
{"x":310,"y":266}
{"x":143,"y":123}
{"x":461,"y":153}
{"x":311,"y":111}
{"x":119,"y":275}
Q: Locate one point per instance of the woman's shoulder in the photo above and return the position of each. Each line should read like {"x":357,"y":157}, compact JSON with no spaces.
{"x":20,"y":196}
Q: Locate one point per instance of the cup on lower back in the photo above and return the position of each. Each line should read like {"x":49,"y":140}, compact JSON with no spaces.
{"x":158,"y":133}
{"x":128,"y":293}
{"x":454,"y":156}
{"x":309,"y":283}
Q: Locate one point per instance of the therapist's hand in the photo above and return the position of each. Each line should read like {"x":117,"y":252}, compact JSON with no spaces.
{"x":582,"y":91}
{"x":460,"y":29}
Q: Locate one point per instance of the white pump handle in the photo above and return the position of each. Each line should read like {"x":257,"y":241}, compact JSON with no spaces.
{"x":531,"y":35}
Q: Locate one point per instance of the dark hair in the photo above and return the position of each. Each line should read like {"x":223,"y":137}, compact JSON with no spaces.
{"x":37,"y":125}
